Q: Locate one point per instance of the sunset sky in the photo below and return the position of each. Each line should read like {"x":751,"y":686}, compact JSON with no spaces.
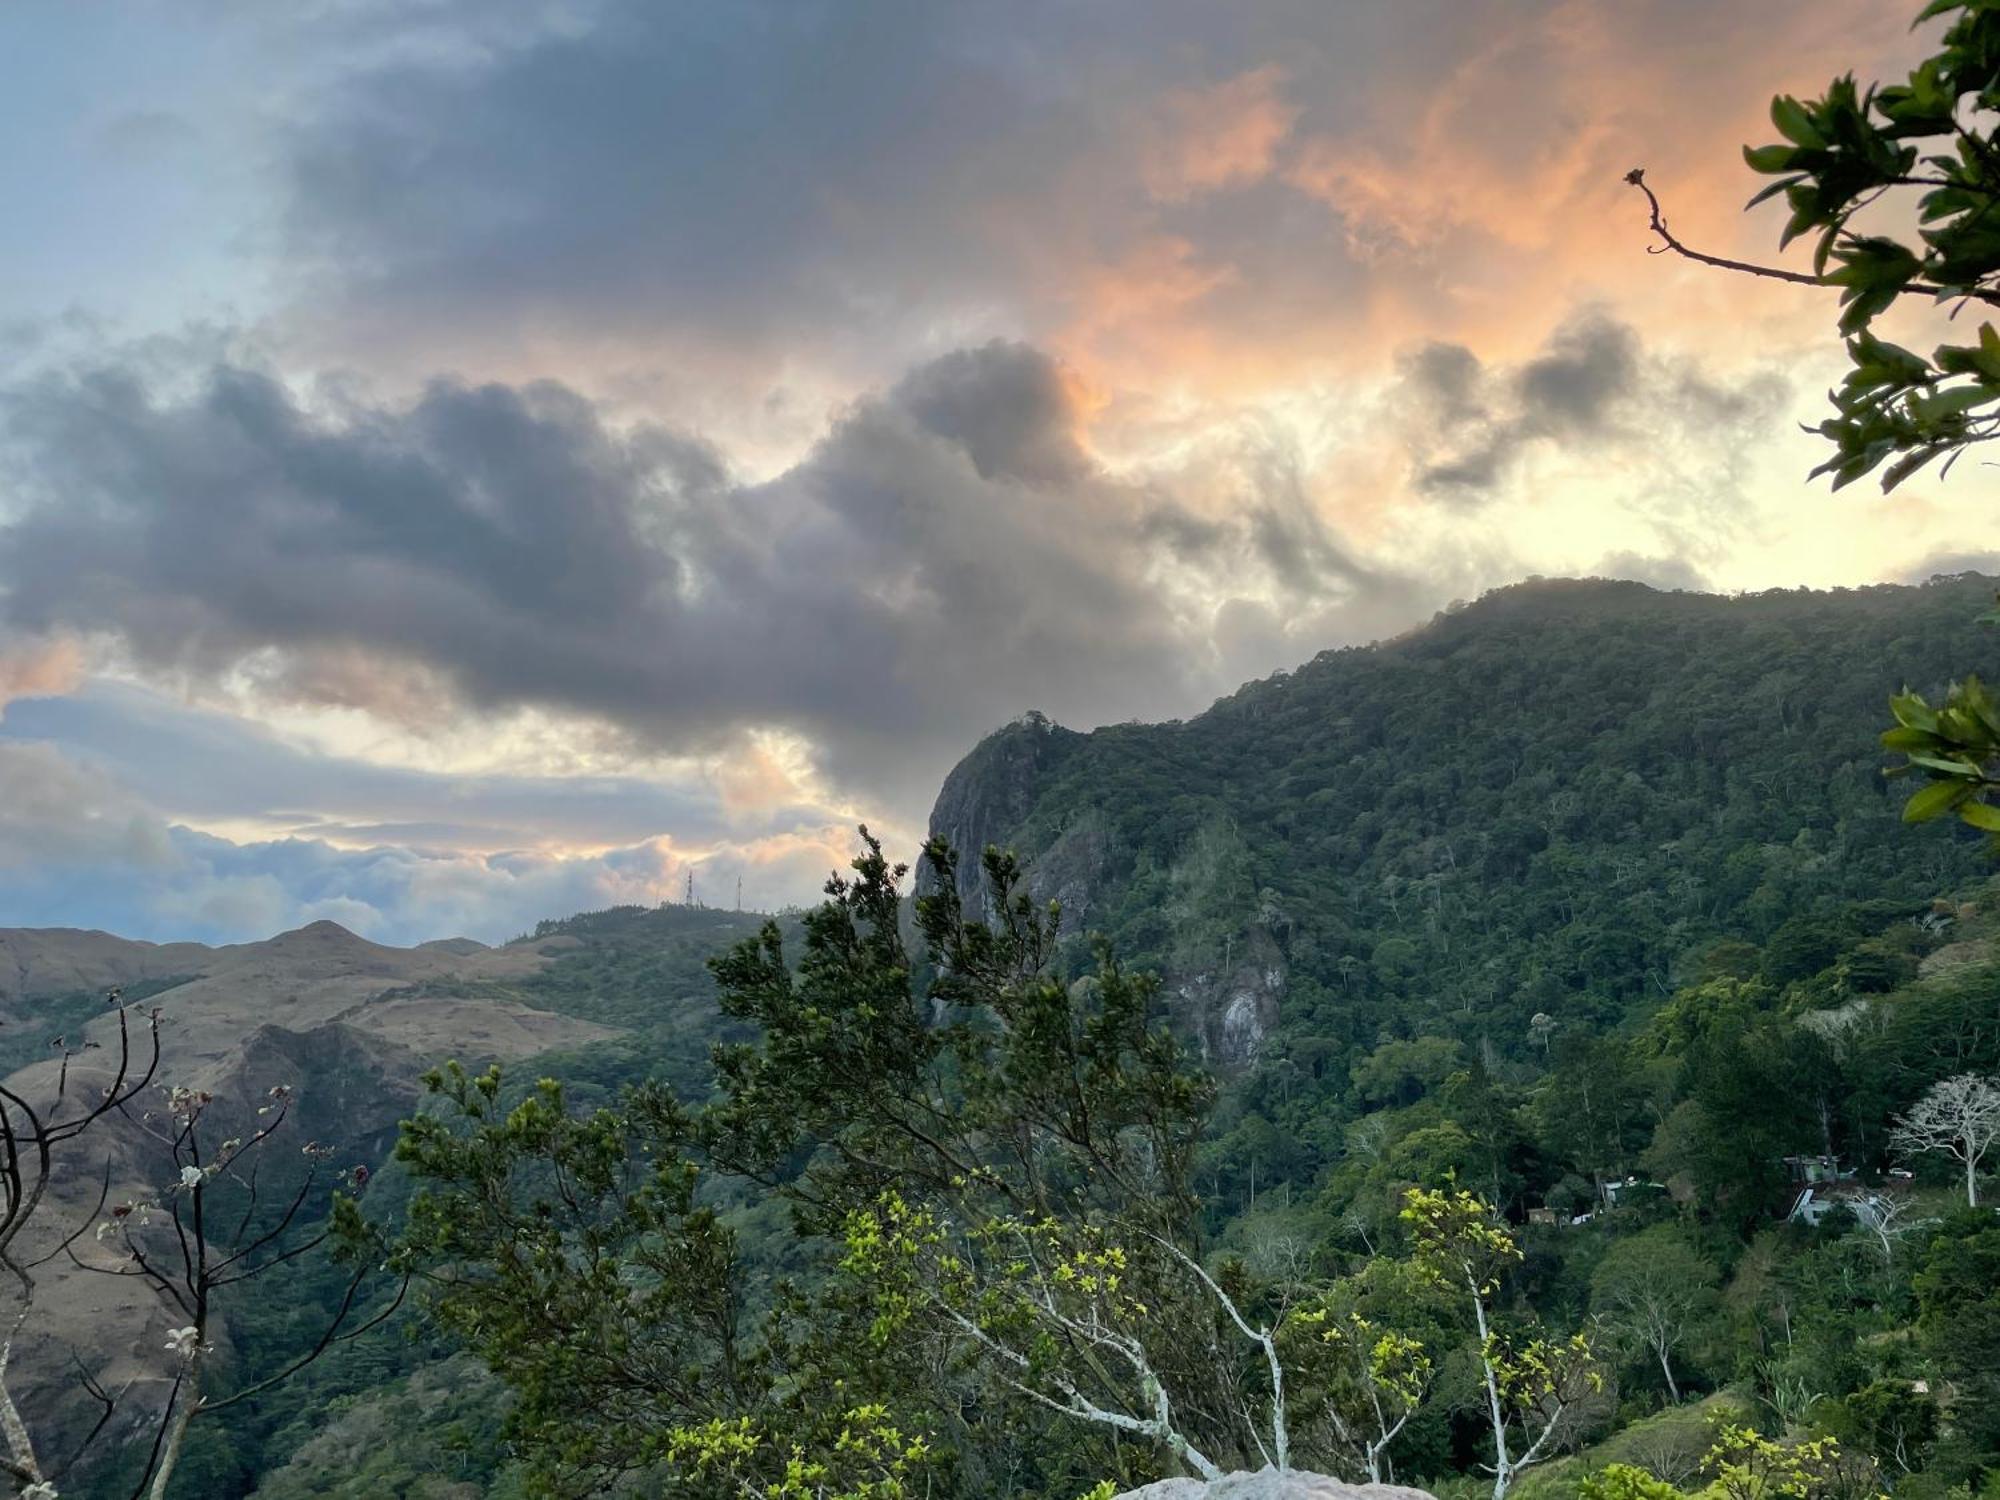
{"x":461,"y":462}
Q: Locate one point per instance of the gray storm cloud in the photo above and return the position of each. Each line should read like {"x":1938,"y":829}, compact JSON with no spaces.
{"x":762,"y":176}
{"x":947,"y":555}
{"x":1591,"y":386}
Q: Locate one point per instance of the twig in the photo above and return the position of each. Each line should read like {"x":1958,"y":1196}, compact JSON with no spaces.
{"x":1637,"y":177}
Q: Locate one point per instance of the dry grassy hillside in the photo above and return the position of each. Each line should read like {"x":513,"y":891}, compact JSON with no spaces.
{"x":321,"y":1011}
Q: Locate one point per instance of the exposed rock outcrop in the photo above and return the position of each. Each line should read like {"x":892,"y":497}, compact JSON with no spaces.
{"x":990,"y":792}
{"x":1269,"y":1484}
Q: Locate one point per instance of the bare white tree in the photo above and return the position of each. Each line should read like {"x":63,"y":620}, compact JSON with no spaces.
{"x":50,"y":1129}
{"x":33,"y":1135}
{"x":1654,"y":1288}
{"x":1888,"y":1219}
{"x":1960,"y":1117}
{"x":215,"y":1243}
{"x":1053,"y":1309}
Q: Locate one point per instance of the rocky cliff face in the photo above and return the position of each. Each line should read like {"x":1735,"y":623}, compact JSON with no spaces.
{"x":1225,"y":993}
{"x":1226,"y":1000}
{"x":989,"y":793}
{"x":1269,"y":1484}
{"x":1231,"y":1007}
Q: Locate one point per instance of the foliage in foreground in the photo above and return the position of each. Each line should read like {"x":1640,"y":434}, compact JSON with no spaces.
{"x":1009,"y":1285}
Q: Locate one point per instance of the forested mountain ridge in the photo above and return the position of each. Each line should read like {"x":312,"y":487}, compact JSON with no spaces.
{"x":1581,"y":886}
{"x":1541,"y":805}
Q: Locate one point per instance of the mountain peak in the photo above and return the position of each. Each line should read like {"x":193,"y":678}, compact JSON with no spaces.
{"x":321,"y":938}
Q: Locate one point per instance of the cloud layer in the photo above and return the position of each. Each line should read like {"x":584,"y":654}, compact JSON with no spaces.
{"x":465,"y":462}
{"x":947,"y":555}
{"x":78,"y":849}
{"x":1243,"y":190}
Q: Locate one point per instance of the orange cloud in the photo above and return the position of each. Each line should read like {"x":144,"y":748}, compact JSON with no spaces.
{"x":1219,"y":136}
{"x":1479,"y":204}
{"x":42,"y":669}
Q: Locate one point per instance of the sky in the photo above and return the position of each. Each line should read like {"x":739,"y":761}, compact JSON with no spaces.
{"x":465,"y":461}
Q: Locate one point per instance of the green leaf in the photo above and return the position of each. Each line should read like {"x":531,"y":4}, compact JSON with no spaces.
{"x":1954,"y":402}
{"x":1989,"y":350}
{"x":1770,"y":191}
{"x":1770,"y":158}
{"x":1794,"y":123}
{"x":1957,"y":769}
{"x":1912,"y":712}
{"x":1981,"y":815}
{"x":1972,"y":693}
{"x":1903,"y":468}
{"x":1935,"y":800}
{"x":1910,"y":739}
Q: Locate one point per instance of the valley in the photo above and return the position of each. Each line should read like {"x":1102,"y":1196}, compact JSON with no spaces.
{"x":1405,"y":902}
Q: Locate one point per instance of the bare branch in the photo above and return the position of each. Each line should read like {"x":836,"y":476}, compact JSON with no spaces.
{"x":1668,"y":243}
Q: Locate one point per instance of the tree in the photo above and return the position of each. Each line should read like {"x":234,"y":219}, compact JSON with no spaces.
{"x":1626,"y":1482}
{"x":996,"y":1082}
{"x":31,"y":1138}
{"x":1055,"y":1311}
{"x":217,"y":1222}
{"x":1749,"y":1466}
{"x":1888,"y":1220}
{"x":1958,"y":1300}
{"x":1745,"y":1465}
{"x":1959,"y":1116}
{"x":1590,"y":1111}
{"x":570,"y":1254}
{"x":1749,"y":1085}
{"x":1361,"y":1380}
{"x":991,"y":1176}
{"x":1656,"y":1288}
{"x":1532,"y":1386}
{"x":1890,"y":1419}
{"x":995,"y":1099}
{"x":1843,"y":153}
{"x":1930,"y":149}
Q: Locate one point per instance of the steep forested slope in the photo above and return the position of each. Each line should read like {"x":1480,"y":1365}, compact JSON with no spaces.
{"x":1577,"y":882}
{"x":1541,"y":804}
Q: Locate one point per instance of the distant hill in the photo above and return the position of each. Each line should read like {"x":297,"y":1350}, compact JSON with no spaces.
{"x":1546,"y":802}
{"x":350,"y":1026}
{"x":43,"y":961}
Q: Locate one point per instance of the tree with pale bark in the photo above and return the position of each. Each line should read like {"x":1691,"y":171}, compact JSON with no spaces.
{"x":1358,"y":1380}
{"x":1071,"y":1317}
{"x":215,"y":1222}
{"x":1655,"y":1289}
{"x":223,"y":1219}
{"x":1958,"y":1117}
{"x":1534,"y":1386}
{"x":35,"y":1137}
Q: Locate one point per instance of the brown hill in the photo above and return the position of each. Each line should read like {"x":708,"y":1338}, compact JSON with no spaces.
{"x":39,"y":962}
{"x":347,"y":1024}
